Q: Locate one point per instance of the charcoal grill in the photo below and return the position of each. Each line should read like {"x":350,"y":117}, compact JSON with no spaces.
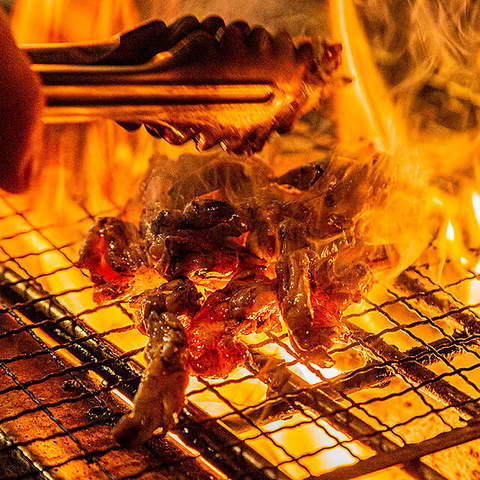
{"x":404,"y":397}
{"x":402,"y":400}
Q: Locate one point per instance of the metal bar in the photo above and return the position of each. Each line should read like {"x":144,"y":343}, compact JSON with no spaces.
{"x":409,"y":453}
{"x":38,"y":305}
{"x":419,"y":375}
{"x":168,"y":94}
{"x":374,"y":374}
{"x":439,"y":302}
{"x":214,"y":442}
{"x":298,"y":390}
{"x":152,"y":93}
{"x":205,"y":434}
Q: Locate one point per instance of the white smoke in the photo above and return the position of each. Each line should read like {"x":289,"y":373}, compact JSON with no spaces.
{"x":303,"y":17}
{"x":416,"y":39}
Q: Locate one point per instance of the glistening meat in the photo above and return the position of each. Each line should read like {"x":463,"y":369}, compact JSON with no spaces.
{"x":291,"y":251}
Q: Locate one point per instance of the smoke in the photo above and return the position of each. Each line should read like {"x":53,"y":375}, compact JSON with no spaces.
{"x":417,"y":39}
{"x":304,"y":17}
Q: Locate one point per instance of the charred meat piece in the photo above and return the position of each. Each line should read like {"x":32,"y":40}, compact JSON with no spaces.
{"x":314,"y":290}
{"x":210,"y":213}
{"x":311,"y":317}
{"x":112,"y":252}
{"x":161,"y":394}
{"x":247,"y":304}
{"x":178,"y":296}
{"x":198,"y":242}
{"x":224,"y":229}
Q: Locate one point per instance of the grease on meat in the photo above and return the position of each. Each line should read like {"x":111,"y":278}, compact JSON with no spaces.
{"x":268,"y":252}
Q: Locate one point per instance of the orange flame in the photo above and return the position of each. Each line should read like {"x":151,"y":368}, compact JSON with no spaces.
{"x":365,"y":110}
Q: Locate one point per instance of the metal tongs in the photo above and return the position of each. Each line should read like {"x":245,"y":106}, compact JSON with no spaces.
{"x":180,"y":81}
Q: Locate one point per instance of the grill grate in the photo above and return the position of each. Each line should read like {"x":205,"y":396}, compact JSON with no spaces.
{"x":404,"y":387}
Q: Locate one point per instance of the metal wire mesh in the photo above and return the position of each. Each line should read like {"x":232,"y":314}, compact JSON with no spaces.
{"x":404,"y":386}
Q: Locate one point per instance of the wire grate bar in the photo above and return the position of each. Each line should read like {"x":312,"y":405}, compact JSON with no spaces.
{"x":419,"y":375}
{"x":383,"y":362}
{"x":374,"y":374}
{"x":46,"y":409}
{"x":437,"y":300}
{"x":64,"y":328}
{"x":237,"y":458}
{"x":346,"y":421}
{"x":409,"y":453}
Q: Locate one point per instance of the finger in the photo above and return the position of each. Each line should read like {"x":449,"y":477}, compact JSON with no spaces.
{"x":21,"y":104}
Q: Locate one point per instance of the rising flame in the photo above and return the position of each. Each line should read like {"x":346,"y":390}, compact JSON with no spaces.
{"x":365,"y":112}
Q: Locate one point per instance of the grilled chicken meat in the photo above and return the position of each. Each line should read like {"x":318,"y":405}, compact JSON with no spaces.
{"x":113,"y":253}
{"x":267,"y":251}
{"x":247,"y":304}
{"x":161,"y":394}
{"x":228,"y":249}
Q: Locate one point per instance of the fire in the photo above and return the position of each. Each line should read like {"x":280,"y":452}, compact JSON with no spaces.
{"x":365,"y":112}
{"x":50,"y":21}
{"x":110,"y":162}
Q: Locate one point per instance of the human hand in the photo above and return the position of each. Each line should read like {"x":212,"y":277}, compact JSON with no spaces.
{"x":21,"y":104}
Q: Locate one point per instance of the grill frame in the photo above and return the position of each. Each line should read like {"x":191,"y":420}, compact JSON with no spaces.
{"x":33,"y":308}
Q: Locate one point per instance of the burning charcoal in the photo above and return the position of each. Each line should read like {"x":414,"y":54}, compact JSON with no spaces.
{"x":161,"y":394}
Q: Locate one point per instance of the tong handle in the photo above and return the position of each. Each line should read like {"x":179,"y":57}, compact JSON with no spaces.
{"x":70,"y":53}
